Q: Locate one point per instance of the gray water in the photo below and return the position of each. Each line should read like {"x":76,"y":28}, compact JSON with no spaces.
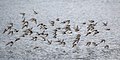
{"x":77,"y":11}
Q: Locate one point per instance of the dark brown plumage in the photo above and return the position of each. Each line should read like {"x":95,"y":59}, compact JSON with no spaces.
{"x":57,"y":19}
{"x":23,"y":15}
{"x":5,"y":30}
{"x":103,"y":40}
{"x":88,"y":43}
{"x":88,"y":33}
{"x":95,"y":32}
{"x":33,"y":20}
{"x":74,"y":45}
{"x":105,"y":23}
{"x":106,"y":46}
{"x":35,"y":12}
{"x":11,"y":43}
{"x":77,"y":29}
{"x":95,"y":44}
{"x":36,"y":47}
{"x":17,"y":39}
{"x":10,"y":32}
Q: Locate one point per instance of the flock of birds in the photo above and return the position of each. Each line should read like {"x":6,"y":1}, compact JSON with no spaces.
{"x":10,"y":30}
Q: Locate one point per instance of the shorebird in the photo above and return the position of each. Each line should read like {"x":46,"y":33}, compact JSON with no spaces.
{"x":103,"y":40}
{"x":95,"y":24}
{"x":43,"y":38}
{"x":84,"y":23}
{"x":11,"y":43}
{"x":30,"y":31}
{"x":107,"y":29}
{"x":26,"y":33}
{"x":58,"y":40}
{"x":62,"y":42}
{"x":23,"y":14}
{"x":33,"y":20}
{"x":95,"y":44}
{"x":95,"y":32}
{"x":50,"y":42}
{"x":58,"y":28}
{"x":5,"y":30}
{"x":36,"y":47}
{"x":105,"y":23}
{"x":52,"y":23}
{"x":46,"y":34}
{"x":43,"y":33}
{"x":42,"y":26}
{"x":91,"y":21}
{"x":78,"y":37}
{"x":74,"y":45}
{"x":23,"y":20}
{"x":22,"y":35}
{"x":38,"y":33}
{"x":57,"y":19}
{"x":17,"y":39}
{"x":90,"y":27}
{"x":106,"y":46}
{"x":67,"y":28}
{"x":24,"y":26}
{"x":55,"y":33}
{"x":39,"y":24}
{"x":34,"y":38}
{"x":35,"y":12}
{"x":88,"y":33}
{"x":75,"y":41}
{"x":9,"y":27}
{"x":25,"y":23}
{"x":77,"y":29}
{"x":16,"y":30}
{"x":67,"y":21}
{"x":88,"y":43}
{"x":11,"y":24}
{"x":64,"y":32}
{"x":10,"y":32}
